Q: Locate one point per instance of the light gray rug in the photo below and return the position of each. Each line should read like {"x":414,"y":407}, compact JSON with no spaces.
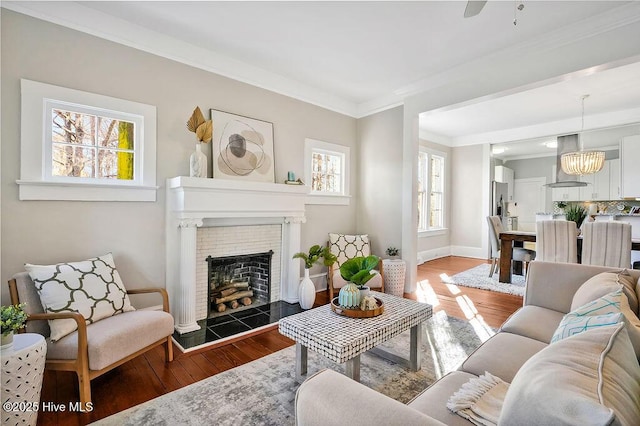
{"x":478,"y":277}
{"x":263,"y":391}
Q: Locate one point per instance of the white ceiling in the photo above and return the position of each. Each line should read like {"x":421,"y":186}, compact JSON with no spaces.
{"x":361,"y":56}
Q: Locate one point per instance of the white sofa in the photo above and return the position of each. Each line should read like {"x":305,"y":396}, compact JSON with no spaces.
{"x":549,"y":388}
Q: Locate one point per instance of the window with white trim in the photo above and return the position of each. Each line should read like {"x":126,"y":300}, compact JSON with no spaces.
{"x":327,"y":172}
{"x":83,"y":146}
{"x":431,"y":190}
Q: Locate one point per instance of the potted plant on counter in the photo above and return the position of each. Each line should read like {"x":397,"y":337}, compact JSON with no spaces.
{"x":357,"y":271}
{"x":576,"y":213}
{"x":306,"y":290}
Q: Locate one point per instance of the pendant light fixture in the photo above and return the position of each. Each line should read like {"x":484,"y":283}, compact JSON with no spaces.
{"x":582,"y":162}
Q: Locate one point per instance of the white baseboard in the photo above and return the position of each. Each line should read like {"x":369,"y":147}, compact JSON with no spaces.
{"x":436,"y":253}
{"x":475,"y":252}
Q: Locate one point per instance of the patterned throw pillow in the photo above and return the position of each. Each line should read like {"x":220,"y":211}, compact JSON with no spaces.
{"x":349,"y":246}
{"x":92,"y":287}
{"x":600,"y":312}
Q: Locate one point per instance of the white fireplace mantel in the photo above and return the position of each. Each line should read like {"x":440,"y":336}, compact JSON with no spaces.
{"x":193,"y":202}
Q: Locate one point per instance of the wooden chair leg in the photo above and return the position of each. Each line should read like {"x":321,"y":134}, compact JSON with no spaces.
{"x":168,"y":350}
{"x":84,"y":386}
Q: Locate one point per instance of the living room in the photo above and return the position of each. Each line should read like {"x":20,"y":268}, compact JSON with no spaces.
{"x":101,"y":52}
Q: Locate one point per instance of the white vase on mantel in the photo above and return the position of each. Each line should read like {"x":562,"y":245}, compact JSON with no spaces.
{"x":306,"y":291}
{"x":198,"y":163}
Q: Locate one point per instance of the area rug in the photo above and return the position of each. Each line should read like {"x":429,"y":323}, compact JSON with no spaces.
{"x":263,"y":392}
{"x":478,"y":277}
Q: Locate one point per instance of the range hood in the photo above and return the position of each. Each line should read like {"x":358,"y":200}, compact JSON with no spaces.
{"x":568,"y":143}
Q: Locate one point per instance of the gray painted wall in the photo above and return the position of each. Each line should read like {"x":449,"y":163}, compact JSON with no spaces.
{"x":49,"y":231}
{"x":380,"y":185}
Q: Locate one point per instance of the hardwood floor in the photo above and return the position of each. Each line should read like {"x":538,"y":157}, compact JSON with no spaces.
{"x":148,"y":376}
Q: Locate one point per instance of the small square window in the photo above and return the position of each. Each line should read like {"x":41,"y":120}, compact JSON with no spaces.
{"x":327,"y":172}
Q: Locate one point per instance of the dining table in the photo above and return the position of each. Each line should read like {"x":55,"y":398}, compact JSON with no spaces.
{"x":510,"y":238}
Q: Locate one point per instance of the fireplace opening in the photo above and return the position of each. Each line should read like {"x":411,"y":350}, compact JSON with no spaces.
{"x":238,"y":282}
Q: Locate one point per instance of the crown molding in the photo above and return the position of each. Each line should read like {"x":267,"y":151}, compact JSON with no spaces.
{"x":90,"y":21}
{"x":81,"y":18}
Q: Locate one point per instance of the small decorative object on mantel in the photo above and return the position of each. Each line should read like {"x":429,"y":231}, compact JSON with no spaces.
{"x":307,"y":290}
{"x":13,"y":319}
{"x":294,"y":182}
{"x":203,"y":130}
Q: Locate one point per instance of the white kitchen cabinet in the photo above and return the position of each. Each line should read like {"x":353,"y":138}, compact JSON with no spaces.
{"x":598,"y":185}
{"x":505,"y":175}
{"x":614,"y":179}
{"x":630,"y":167}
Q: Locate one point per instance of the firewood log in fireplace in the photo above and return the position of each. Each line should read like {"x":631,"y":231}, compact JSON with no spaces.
{"x":233,"y":304}
{"x":221,"y":307}
{"x":235,"y":296}
{"x":246,"y":301}
{"x":228,"y":286}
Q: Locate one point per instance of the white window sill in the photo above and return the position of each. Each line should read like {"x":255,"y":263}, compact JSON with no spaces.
{"x":433,"y":232}
{"x":55,"y":191}
{"x":334,"y":200}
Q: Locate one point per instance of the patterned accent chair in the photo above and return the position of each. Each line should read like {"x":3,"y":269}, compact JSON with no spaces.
{"x":95,"y":348}
{"x":346,"y":247}
{"x":557,"y":241}
{"x":606,"y":244}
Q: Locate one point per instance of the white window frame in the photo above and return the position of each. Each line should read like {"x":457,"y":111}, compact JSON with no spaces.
{"x":36,"y":181}
{"x":427,"y":232}
{"x":321,"y":197}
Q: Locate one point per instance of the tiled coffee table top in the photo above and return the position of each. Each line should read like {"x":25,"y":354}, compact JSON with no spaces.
{"x":341,"y":338}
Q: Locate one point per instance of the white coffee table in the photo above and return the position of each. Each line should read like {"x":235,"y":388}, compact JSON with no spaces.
{"x":343,"y":339}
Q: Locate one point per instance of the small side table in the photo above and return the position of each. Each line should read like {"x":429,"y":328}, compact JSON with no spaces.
{"x":394,"y":272}
{"x":22,"y":373}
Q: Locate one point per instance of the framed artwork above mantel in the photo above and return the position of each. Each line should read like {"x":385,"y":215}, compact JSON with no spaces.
{"x":242,"y":148}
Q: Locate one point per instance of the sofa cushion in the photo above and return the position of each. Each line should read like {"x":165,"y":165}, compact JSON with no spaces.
{"x":433,"y":401}
{"x":604,"y":283}
{"x":533,"y":322}
{"x":591,"y":378}
{"x":502,"y":355}
{"x":575,"y":324}
{"x":92,"y":287}
{"x":114,"y":338}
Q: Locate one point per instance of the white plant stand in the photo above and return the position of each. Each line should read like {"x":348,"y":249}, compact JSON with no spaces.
{"x":22,"y":373}
{"x":394,"y":274}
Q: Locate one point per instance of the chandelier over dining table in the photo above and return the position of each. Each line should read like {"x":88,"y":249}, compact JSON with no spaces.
{"x":582,"y":162}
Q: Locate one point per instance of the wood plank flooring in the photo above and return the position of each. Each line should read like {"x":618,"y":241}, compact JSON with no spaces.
{"x":148,"y":376}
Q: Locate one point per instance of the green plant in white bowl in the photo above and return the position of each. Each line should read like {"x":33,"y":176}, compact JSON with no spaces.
{"x":13,"y":318}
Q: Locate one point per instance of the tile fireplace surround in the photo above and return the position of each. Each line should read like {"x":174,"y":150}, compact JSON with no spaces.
{"x":197,"y":202}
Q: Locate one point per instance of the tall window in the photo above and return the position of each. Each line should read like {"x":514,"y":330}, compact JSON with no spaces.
{"x":431,"y":169}
{"x":327,"y":172}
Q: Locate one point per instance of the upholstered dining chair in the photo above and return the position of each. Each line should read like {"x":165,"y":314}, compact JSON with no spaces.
{"x":346,"y":247}
{"x":606,"y":244}
{"x":519,"y":254}
{"x":92,"y":348}
{"x":557,"y":241}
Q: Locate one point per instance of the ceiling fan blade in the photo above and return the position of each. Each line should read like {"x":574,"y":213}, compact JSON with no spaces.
{"x":473,"y":8}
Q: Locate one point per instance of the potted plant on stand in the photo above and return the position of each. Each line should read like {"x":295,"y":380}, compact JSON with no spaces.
{"x":394,"y":272}
{"x":13,"y":319}
{"x":357,"y":271}
{"x":307,"y":290}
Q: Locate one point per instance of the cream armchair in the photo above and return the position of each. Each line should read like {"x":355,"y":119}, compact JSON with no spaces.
{"x":94,"y":349}
{"x":346,"y":247}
